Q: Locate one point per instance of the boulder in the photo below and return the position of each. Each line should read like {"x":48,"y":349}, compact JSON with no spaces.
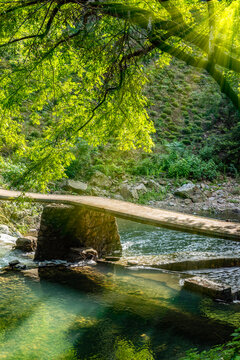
{"x":82,"y":254}
{"x":152,"y":184}
{"x":141,"y":189}
{"x":118,"y":197}
{"x":186,"y":191}
{"x":128,"y":193}
{"x":210,"y":288}
{"x":78,"y":187}
{"x":27,"y":244}
{"x":3,"y":219}
{"x":101,"y":180}
{"x":208,"y":193}
{"x":95,"y":191}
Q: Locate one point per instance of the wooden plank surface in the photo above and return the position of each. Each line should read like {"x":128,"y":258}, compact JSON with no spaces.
{"x":138,"y":213}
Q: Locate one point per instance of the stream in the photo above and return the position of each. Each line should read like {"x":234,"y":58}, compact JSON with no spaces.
{"x":41,"y":320}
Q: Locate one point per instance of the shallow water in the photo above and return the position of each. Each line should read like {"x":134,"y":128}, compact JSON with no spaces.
{"x":40,"y":320}
{"x":138,"y":239}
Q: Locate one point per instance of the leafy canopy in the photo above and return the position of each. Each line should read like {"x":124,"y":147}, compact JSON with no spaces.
{"x":74,"y":69}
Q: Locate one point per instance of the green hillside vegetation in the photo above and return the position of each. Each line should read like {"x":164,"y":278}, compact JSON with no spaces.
{"x":197,"y":132}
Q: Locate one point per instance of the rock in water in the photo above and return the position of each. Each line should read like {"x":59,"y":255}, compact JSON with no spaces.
{"x":186,"y":191}
{"x":84,"y":278}
{"x":27,"y":244}
{"x":209,"y":288}
{"x":82,"y":254}
{"x":14,"y":263}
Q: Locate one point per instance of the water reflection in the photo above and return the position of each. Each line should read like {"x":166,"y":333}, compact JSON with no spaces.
{"x":42,"y":320}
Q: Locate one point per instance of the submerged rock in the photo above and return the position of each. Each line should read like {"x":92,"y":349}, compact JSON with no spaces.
{"x":210,"y":288}
{"x":84,"y":278}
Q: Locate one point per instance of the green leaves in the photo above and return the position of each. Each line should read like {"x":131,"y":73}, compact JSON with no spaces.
{"x":75,"y":71}
{"x":83,"y":88}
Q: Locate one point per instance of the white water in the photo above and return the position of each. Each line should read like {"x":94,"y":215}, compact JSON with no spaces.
{"x":7,"y":252}
{"x":138,"y":239}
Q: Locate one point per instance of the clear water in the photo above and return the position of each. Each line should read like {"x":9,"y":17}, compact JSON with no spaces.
{"x":139,"y":239}
{"x":42,"y":320}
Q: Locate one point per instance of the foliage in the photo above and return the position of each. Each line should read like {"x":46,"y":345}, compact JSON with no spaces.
{"x":11,"y":169}
{"x":228,"y":146}
{"x":178,"y":162}
{"x":75,"y":70}
{"x":152,"y":195}
{"x":229,"y":351}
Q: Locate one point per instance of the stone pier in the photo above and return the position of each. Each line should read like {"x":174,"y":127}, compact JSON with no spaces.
{"x":65,"y":226}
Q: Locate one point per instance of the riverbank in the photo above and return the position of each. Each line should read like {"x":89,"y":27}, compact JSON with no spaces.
{"x":219,"y":199}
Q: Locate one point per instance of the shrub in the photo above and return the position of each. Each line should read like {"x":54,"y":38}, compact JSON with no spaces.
{"x":168,"y":111}
{"x":163,"y":115}
{"x":153,"y":113}
{"x":179,"y":162}
{"x":11,"y":171}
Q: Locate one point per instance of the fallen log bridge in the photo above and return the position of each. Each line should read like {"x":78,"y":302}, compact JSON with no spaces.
{"x":138,"y":213}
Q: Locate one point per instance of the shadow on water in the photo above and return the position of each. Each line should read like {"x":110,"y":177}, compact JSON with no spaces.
{"x":42,"y":319}
{"x":135,"y":305}
{"x":141,"y":308}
